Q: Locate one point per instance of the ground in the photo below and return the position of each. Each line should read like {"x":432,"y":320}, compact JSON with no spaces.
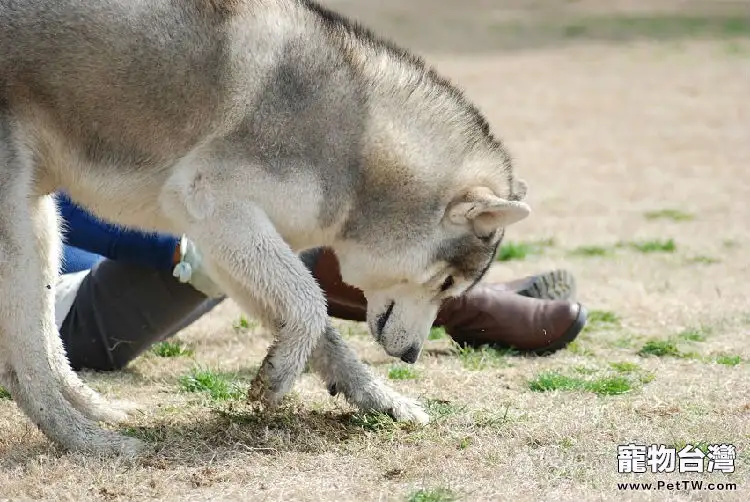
{"x":631,"y":123}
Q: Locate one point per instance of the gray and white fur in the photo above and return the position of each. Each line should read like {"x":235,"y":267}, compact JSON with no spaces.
{"x":259,"y":128}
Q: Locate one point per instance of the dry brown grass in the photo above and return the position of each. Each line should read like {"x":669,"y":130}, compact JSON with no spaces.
{"x":604,"y":133}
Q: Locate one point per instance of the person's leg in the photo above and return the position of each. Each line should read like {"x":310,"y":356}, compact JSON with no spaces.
{"x":531,"y":314}
{"x":120,"y":310}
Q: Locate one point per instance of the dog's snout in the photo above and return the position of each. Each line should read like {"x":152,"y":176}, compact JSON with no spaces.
{"x":411,"y":355}
{"x":382,"y":319}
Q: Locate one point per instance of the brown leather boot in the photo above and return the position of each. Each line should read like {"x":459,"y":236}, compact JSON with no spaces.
{"x":500,"y":315}
{"x":492,"y":315}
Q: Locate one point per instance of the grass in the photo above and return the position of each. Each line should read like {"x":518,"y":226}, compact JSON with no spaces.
{"x":598,"y":319}
{"x":652,"y":246}
{"x":669,"y":214}
{"x":484,"y":357}
{"x":625,"y":367}
{"x":243,"y":324}
{"x":656,"y":26}
{"x":440,"y":408}
{"x":437,"y":333}
{"x":172,"y":349}
{"x":4,"y":394}
{"x":695,"y":334}
{"x":727,"y":360}
{"x":432,"y":495}
{"x":591,"y":251}
{"x":218,"y":386}
{"x":402,"y":373}
{"x":511,"y":251}
{"x":703,"y":260}
{"x":374,"y":421}
{"x":604,"y":385}
{"x":660,"y":348}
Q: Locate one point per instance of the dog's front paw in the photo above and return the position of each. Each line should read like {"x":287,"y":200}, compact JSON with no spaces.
{"x":265,"y":389}
{"x":408,"y":410}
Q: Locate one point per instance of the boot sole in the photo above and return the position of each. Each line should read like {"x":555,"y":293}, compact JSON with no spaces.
{"x":553,"y":285}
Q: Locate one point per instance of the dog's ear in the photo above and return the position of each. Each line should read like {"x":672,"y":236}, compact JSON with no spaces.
{"x":485,"y":211}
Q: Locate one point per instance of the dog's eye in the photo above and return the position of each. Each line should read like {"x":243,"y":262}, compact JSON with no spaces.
{"x":447,"y":283}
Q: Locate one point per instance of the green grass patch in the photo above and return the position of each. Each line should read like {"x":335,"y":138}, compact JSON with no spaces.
{"x":660,"y":348}
{"x":432,"y":495}
{"x":728,"y":360}
{"x":703,"y":260}
{"x":402,"y":373}
{"x":439,"y":408}
{"x":694,"y":334}
{"x":576,"y":347}
{"x":652,"y":246}
{"x":669,"y":214}
{"x":730,"y":244}
{"x":437,"y":333}
{"x":172,"y":349}
{"x":608,"y":385}
{"x":243,"y":324}
{"x":664,"y":26}
{"x":219,"y":386}
{"x":598,"y":319}
{"x":4,"y":394}
{"x":625,"y":367}
{"x":517,"y":251}
{"x":374,"y":421}
{"x":590,"y":251}
{"x":484,"y":357}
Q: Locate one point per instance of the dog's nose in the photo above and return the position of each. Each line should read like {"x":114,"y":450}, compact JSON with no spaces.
{"x":411,"y":355}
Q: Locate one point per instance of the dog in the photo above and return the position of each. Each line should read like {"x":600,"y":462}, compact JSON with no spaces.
{"x":260,"y":128}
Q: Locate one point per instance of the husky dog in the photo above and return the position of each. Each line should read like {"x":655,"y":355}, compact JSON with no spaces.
{"x":260,"y":128}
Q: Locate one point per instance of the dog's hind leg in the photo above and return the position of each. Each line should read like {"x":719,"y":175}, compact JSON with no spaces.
{"x":33,"y":359}
{"x":245,"y":255}
{"x":344,"y":373}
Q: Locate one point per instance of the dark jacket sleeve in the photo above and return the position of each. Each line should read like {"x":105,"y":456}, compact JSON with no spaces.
{"x":84,"y":231}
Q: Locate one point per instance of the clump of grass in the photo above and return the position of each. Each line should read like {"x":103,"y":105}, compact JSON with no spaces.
{"x":520,"y":250}
{"x":653,"y":246}
{"x":432,"y":495}
{"x":591,"y":251}
{"x":4,"y":394}
{"x":373,"y":421}
{"x":439,"y":408}
{"x":704,"y":260}
{"x":728,"y":360}
{"x":243,"y":324}
{"x":492,"y":418}
{"x":575,"y":347}
{"x":172,"y":349}
{"x":220,"y":387}
{"x":660,"y":348}
{"x":437,"y":333}
{"x":477,"y":359}
{"x":695,"y":334}
{"x":606,"y":385}
{"x":402,"y":373}
{"x":625,"y":367}
{"x":602,"y":319}
{"x":669,"y":214}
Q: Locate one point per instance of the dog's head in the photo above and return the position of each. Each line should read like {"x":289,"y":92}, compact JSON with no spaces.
{"x":405,"y":281}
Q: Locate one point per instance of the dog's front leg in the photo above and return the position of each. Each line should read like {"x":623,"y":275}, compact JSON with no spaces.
{"x":245,"y":255}
{"x":344,"y":373}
